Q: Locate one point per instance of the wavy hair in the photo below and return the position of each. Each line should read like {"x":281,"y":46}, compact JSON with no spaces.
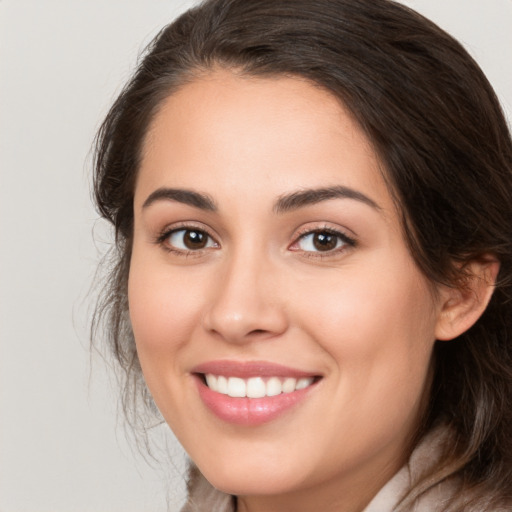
{"x":446,"y":152}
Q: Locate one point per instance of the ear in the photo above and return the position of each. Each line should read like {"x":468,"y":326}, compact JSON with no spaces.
{"x":460,"y":307}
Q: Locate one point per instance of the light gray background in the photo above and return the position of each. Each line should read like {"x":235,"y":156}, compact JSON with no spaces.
{"x":61,"y":63}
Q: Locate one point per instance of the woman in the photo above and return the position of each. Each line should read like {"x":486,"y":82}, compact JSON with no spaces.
{"x":312,"y":208}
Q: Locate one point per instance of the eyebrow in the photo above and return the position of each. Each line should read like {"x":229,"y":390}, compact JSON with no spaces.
{"x":285,"y":203}
{"x":195,"y":199}
{"x":302,"y":198}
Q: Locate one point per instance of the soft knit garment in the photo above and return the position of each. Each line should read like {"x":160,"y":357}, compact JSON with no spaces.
{"x":203,"y":497}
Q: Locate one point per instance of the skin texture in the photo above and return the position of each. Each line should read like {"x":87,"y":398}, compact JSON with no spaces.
{"x":361,"y":316}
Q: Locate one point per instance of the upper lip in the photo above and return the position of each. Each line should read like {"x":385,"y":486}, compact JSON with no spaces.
{"x":248,"y":369}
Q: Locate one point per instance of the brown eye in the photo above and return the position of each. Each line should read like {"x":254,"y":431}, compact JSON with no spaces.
{"x":190,"y":240}
{"x":323,"y":241}
{"x":195,"y":239}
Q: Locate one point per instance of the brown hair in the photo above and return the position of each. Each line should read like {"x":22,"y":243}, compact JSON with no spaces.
{"x":443,"y":141}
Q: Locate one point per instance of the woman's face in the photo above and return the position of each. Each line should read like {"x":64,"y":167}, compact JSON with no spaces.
{"x":268,"y":259}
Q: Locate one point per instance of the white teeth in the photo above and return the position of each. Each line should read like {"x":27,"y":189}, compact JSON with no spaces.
{"x":274,"y":387}
{"x":222,"y":385}
{"x":289,"y":385}
{"x":211,"y":380}
{"x":255,"y":387}
{"x":304,"y":382}
{"x":236,"y":387}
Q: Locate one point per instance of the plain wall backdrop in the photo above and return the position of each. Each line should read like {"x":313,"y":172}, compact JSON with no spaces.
{"x":62,"y":446}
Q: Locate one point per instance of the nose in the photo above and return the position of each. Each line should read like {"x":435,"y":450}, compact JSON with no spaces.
{"x":246,"y":303}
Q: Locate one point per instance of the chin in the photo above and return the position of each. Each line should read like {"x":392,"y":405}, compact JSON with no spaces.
{"x":252,"y":479}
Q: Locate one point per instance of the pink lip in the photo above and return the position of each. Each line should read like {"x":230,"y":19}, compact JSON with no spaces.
{"x":246,"y":370}
{"x":249,"y":411}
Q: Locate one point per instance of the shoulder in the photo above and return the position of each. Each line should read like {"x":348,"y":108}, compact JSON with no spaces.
{"x":434,"y":487}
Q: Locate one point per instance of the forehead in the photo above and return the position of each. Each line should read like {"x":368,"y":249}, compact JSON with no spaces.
{"x":264,"y":135}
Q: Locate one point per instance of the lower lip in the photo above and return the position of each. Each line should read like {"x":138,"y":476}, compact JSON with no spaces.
{"x":250,"y":411}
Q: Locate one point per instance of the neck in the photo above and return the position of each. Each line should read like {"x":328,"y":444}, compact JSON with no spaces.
{"x":351,"y":493}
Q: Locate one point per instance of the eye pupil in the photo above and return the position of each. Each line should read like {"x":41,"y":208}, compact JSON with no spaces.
{"x":324,"y":241}
{"x":195,"y":239}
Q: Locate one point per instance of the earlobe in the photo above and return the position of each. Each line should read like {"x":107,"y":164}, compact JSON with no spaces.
{"x":460,"y":307}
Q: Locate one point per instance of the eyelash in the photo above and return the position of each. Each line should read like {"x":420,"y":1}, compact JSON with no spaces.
{"x":347,"y":242}
{"x":163,"y":237}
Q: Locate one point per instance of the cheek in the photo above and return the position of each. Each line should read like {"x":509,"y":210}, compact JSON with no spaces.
{"x":371,"y":309}
{"x":378,"y":328}
{"x":162,"y":316}
{"x":164,"y":312}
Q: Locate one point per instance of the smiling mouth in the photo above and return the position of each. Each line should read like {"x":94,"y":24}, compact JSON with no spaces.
{"x":256,"y":387}
{"x":252,"y":393}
